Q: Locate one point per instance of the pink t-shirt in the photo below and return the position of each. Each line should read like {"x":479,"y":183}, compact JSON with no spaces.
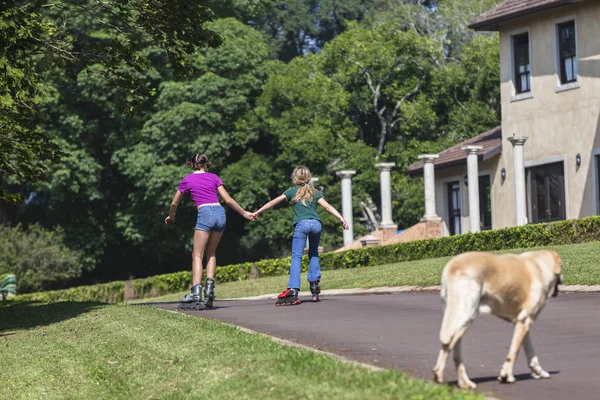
{"x":202,"y":187}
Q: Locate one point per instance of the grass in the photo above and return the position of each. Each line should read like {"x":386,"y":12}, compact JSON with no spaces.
{"x":75,"y":350}
{"x":580,"y":265}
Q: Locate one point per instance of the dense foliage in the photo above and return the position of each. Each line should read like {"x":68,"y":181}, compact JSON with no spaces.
{"x":38,"y":257}
{"x":319,"y":83}
{"x":540,"y":235}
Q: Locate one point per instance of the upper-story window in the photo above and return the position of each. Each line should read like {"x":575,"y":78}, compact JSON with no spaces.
{"x":522,"y":63}
{"x":567,"y":52}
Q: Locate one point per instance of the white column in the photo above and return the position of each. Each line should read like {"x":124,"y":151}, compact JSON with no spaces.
{"x":386,"y":194}
{"x":518,"y":142}
{"x":429,"y":177}
{"x":347,"y":203}
{"x":473,"y":184}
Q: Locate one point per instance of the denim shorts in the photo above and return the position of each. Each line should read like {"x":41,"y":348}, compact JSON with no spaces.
{"x":211,"y":218}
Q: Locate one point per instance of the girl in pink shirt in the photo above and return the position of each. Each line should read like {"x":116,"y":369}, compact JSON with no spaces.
{"x":204,"y":188}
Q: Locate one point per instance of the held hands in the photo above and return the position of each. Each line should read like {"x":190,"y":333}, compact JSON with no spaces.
{"x":250,"y":216}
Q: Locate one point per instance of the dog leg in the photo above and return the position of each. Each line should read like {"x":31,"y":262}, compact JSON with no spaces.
{"x":537,"y":372}
{"x":463,"y":379}
{"x":438,"y":370}
{"x":521,"y":329}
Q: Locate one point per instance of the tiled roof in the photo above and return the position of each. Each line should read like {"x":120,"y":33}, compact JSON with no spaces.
{"x":513,"y":9}
{"x":491,"y":141}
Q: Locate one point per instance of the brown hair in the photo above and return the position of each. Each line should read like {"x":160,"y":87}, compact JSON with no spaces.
{"x":198,"y":162}
{"x":301,"y":177}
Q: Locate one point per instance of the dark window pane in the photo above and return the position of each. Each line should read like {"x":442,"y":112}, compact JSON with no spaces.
{"x":567,"y":51}
{"x":454,"y":211}
{"x":485,"y":202}
{"x":554,"y":197}
{"x":522,"y":65}
{"x":547,"y":192}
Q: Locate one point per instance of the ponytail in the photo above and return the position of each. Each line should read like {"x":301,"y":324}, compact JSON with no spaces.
{"x":198,"y":162}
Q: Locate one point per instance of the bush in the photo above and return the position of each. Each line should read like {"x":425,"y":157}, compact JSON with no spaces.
{"x":38,"y":257}
{"x":540,"y":235}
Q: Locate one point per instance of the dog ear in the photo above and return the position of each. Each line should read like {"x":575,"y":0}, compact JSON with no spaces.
{"x":557,"y":264}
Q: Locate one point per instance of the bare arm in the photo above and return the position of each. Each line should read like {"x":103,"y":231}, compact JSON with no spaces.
{"x":331,"y":209}
{"x":233,"y":204}
{"x":176,"y":200}
{"x":271,"y":204}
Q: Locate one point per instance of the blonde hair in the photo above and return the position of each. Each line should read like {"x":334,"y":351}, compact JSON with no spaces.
{"x":301,"y":177}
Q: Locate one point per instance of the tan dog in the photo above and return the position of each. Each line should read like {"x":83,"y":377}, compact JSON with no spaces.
{"x":512,"y":287}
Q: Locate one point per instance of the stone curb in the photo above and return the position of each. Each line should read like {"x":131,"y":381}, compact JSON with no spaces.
{"x":405,"y":289}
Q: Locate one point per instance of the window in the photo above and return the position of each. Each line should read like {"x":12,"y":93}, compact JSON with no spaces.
{"x":567,"y":52}
{"x":522,"y":64}
{"x":454,"y":211}
{"x":546,"y":186}
{"x":485,"y":202}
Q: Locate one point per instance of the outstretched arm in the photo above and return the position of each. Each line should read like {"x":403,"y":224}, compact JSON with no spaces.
{"x":331,"y":209}
{"x":271,"y":204}
{"x":233,"y":204}
{"x":176,"y":200}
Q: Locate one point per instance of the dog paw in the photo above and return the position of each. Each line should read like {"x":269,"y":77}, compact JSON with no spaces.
{"x":508,"y":378}
{"x":438,"y":377}
{"x":466,"y":384}
{"x":541,"y":374}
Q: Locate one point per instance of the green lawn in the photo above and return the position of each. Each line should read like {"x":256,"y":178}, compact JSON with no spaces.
{"x":75,"y":350}
{"x":581,"y":263}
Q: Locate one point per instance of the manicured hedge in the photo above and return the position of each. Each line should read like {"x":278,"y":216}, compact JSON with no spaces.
{"x":539,"y":235}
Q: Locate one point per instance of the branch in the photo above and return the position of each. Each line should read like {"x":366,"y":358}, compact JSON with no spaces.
{"x":403,"y":99}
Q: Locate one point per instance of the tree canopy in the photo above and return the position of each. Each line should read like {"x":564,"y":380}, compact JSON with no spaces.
{"x":265,"y":86}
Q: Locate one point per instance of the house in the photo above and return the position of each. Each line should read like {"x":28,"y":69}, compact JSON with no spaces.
{"x":543,"y":163}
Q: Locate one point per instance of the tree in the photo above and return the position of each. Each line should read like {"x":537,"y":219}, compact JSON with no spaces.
{"x":101,"y":37}
{"x":384,"y":69}
{"x":206,"y":114}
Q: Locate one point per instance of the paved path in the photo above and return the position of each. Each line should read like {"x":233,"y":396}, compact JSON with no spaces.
{"x":401,"y":331}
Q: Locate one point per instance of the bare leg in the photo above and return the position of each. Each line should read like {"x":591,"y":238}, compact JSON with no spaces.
{"x":521,"y":329}
{"x":463,"y":379}
{"x":211,"y":249}
{"x":200,"y":239}
{"x":537,"y":372}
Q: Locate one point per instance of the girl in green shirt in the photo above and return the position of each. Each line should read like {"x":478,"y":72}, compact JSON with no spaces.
{"x":307,"y":225}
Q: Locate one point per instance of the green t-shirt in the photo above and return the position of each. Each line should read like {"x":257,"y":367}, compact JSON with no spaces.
{"x":301,"y":211}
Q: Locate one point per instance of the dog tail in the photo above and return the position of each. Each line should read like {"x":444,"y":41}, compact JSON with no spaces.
{"x":461,"y":296}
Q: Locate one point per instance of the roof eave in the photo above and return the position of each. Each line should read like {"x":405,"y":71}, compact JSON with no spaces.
{"x":488,"y":155}
{"x":493,"y":24}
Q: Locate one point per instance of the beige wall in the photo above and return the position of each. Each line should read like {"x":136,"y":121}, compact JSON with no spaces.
{"x":447,"y":175}
{"x":559,"y":124}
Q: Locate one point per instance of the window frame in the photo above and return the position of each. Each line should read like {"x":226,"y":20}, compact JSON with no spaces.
{"x":515,"y":96}
{"x":541,"y":163}
{"x":559,"y":85}
{"x":449,"y":188}
{"x":442,"y":189}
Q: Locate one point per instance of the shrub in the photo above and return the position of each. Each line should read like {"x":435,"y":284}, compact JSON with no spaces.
{"x":539,"y":235}
{"x":38,"y":257}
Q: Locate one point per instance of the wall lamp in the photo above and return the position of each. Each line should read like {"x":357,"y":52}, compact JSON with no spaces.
{"x":578,"y":160}
{"x":503,"y":174}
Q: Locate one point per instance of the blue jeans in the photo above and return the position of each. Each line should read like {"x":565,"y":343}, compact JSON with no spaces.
{"x":211,"y":218}
{"x":311,"y":229}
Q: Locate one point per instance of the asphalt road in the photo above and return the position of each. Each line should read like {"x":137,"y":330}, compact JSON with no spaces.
{"x":401,"y":331}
